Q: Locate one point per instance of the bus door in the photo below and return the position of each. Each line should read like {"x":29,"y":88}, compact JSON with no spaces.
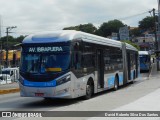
{"x":100,"y":68}
{"x":125,"y":68}
{"x":136,"y":58}
{"x":129,"y":65}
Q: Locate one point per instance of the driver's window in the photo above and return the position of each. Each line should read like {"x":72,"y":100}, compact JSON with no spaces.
{"x":77,"y":60}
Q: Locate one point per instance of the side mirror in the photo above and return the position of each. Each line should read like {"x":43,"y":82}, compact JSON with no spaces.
{"x":85,"y":70}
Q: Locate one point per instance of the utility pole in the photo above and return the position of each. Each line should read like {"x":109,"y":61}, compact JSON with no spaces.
{"x":156,"y":41}
{"x":0,"y":42}
{"x":8,"y":29}
{"x":0,"y":37}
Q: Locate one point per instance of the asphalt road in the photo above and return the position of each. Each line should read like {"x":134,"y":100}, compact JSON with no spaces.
{"x":104,"y":101}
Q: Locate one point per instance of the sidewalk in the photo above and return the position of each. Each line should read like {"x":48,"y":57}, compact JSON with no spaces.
{"x":150,"y":102}
{"x":9,"y":88}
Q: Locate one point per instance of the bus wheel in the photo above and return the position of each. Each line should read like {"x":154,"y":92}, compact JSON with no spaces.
{"x":116,"y":83}
{"x":89,"y":90}
{"x":48,"y":99}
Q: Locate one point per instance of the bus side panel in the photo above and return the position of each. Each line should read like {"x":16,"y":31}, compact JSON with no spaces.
{"x":80,"y":85}
{"x":121,"y":79}
{"x":109,"y":79}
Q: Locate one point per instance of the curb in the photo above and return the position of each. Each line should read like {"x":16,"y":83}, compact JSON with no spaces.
{"x":13,"y":90}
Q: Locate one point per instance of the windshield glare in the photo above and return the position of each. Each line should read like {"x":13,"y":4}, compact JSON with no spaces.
{"x":41,"y":63}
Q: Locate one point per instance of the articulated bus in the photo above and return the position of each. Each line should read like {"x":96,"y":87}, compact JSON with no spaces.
{"x":145,"y":60}
{"x":71,"y":64}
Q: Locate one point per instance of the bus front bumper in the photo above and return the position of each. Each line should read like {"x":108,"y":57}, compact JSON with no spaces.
{"x":61,"y":91}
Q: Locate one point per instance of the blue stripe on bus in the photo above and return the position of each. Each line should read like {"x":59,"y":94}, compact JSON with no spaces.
{"x":131,"y":75}
{"x":111,"y":81}
{"x":139,"y":74}
{"x":121,"y":79}
{"x":39,"y":84}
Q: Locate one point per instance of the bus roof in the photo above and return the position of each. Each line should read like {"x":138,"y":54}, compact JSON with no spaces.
{"x":69,"y":35}
{"x":143,"y":53}
{"x":130,"y":47}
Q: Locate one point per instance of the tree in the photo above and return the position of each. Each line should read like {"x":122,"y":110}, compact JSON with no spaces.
{"x":11,"y":41}
{"x":107,"y":28}
{"x":148,"y":23}
{"x":20,"y":38}
{"x":88,"y":28}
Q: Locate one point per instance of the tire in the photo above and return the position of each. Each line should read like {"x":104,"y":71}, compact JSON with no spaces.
{"x":132,"y":82}
{"x":47,"y":99}
{"x":89,"y":90}
{"x":115,"y":84}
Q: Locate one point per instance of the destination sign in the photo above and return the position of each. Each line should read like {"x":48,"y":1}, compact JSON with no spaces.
{"x":46,"y":49}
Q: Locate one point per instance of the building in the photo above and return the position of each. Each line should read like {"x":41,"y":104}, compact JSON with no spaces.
{"x":146,"y":42}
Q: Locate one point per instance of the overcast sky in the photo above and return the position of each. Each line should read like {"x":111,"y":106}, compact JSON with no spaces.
{"x":31,"y":16}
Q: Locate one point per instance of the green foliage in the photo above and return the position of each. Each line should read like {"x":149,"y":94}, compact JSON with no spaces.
{"x":11,"y":41}
{"x":148,"y":23}
{"x":131,"y":43}
{"x":107,"y":28}
{"x":88,"y":28}
{"x":20,"y":38}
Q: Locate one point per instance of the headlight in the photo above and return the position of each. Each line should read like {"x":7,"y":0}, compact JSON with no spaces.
{"x":63,"y":80}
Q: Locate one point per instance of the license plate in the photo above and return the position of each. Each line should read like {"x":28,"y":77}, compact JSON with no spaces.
{"x":39,"y":94}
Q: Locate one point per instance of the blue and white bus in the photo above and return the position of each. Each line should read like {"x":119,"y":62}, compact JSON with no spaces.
{"x":145,"y":60}
{"x":71,"y":64}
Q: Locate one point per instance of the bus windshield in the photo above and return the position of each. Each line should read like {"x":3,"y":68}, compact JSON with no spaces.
{"x":44,"y":63}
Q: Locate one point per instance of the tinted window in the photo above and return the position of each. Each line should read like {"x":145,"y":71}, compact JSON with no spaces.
{"x":41,"y":63}
{"x":113,"y":58}
{"x":88,"y":56}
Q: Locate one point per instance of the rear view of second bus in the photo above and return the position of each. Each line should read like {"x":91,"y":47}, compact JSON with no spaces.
{"x":145,"y":60}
